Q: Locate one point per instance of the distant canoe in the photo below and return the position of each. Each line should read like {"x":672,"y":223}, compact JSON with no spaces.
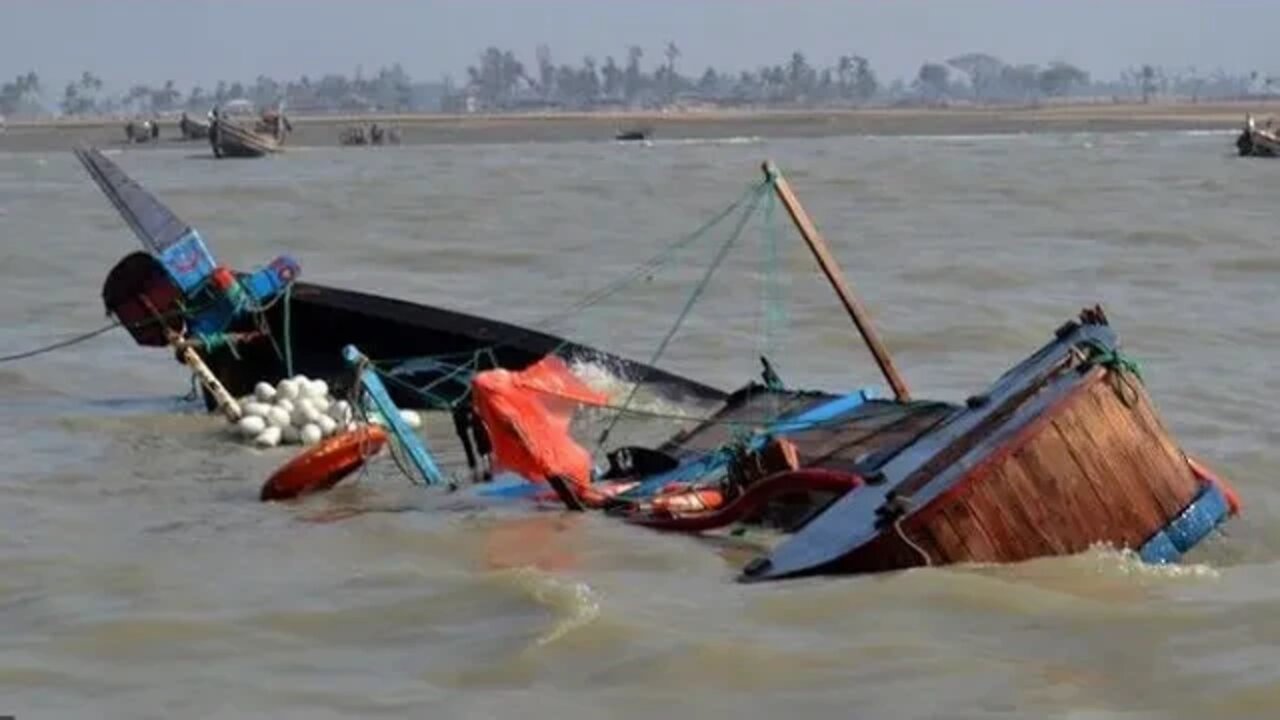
{"x":1255,"y":141}
{"x":632,"y":135}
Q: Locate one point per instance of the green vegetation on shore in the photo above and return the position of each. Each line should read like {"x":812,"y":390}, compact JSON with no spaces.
{"x":500,"y":82}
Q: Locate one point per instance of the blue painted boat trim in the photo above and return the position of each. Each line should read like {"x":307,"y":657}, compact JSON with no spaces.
{"x":707,"y":464}
{"x":1207,"y":511}
{"x":413,"y":445}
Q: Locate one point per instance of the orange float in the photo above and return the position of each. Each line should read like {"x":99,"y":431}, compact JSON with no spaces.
{"x":752,"y":500}
{"x":321,"y":467}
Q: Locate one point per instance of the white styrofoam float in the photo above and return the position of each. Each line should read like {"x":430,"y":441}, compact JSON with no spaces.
{"x":299,"y":410}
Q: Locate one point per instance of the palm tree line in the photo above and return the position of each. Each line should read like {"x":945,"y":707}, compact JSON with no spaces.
{"x":500,"y":81}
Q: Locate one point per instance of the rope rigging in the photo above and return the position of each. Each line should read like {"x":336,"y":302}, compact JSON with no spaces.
{"x":693,"y":298}
{"x":388,"y":368}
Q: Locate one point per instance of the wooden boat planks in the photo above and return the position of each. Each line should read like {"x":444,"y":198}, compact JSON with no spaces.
{"x":232,"y":140}
{"x":1049,"y":481}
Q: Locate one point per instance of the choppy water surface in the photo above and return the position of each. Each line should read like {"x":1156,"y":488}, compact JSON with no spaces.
{"x":140,"y":577}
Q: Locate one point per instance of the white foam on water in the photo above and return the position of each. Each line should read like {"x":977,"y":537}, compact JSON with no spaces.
{"x":734,"y":140}
{"x":1126,"y":562}
{"x":1204,"y":133}
{"x":602,"y":379}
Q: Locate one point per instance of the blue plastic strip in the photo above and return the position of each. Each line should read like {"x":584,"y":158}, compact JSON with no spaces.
{"x":1208,"y":510}
{"x":510,"y":486}
{"x":412,"y":444}
{"x":711,"y":462}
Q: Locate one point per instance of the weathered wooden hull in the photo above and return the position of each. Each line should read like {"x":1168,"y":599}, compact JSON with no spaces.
{"x":1065,"y":452}
{"x":1257,"y":144}
{"x":1254,"y":141}
{"x":231,"y":140}
{"x":321,"y":320}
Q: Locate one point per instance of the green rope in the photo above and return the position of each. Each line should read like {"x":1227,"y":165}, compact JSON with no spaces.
{"x":432,"y":399}
{"x":213,"y":341}
{"x":688,"y":306}
{"x":774,"y":308}
{"x":666,"y":256}
{"x":427,"y":358}
{"x":288,"y":331}
{"x":662,"y":258}
{"x":1113,"y":359}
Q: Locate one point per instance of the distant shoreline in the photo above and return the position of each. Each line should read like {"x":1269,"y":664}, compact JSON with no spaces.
{"x":433,"y":128}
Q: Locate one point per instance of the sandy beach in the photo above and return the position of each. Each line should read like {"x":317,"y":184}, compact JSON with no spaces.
{"x":602,"y":126}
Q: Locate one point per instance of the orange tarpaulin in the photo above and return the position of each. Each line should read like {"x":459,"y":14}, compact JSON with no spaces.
{"x":527,"y":415}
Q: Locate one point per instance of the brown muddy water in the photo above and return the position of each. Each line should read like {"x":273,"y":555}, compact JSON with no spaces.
{"x":140,"y":577}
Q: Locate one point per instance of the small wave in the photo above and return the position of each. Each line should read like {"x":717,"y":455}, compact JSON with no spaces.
{"x":14,"y":383}
{"x":1206,"y":133}
{"x":1169,"y":238}
{"x":733,"y":140}
{"x":1111,"y":561}
{"x":1250,"y":265}
{"x":574,"y":603}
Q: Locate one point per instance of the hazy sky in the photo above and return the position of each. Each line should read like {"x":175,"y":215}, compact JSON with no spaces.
{"x":201,"y":41}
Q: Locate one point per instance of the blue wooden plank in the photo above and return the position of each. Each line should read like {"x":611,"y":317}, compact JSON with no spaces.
{"x":413,"y":445}
{"x":1197,"y":521}
{"x":508,"y":485}
{"x":1159,"y":550}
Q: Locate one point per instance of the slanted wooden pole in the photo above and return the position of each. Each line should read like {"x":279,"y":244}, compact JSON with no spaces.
{"x":225,"y":402}
{"x":189,"y":357}
{"x":831,"y":269}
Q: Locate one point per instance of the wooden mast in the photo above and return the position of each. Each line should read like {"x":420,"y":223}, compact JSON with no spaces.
{"x":831,"y":269}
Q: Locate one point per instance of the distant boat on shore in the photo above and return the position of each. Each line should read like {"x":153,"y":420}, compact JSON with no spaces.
{"x":1255,"y":141}
{"x":236,"y":139}
{"x":633,"y":135}
{"x":192,"y":129}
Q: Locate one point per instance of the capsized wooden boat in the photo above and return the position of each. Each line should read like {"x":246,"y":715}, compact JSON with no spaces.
{"x":1255,"y":141}
{"x":1062,"y":453}
{"x":266,"y":325}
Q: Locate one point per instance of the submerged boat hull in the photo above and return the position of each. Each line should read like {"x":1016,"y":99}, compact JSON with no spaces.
{"x":419,"y":345}
{"x":1064,"y":452}
{"x":266,"y":331}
